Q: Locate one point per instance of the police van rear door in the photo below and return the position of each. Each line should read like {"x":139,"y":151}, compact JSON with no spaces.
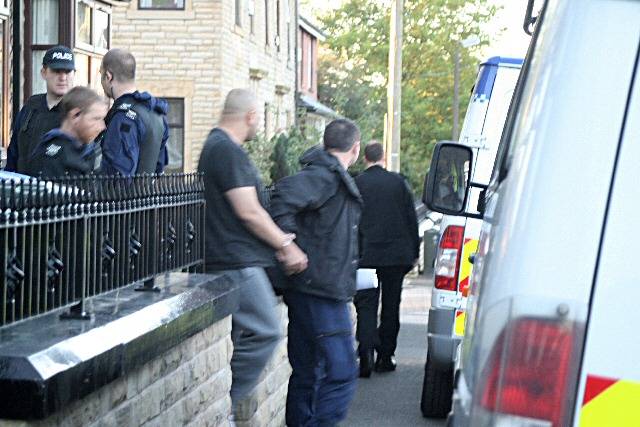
{"x":609,"y":389}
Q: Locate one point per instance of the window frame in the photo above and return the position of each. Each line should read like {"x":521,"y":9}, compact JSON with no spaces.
{"x":251,"y":11}
{"x":30,"y":47}
{"x":278,"y":38}
{"x":66,"y":36}
{"x":92,"y":48}
{"x":184,"y":4}
{"x":266,"y":23}
{"x":182,"y":126}
{"x":238,"y":13}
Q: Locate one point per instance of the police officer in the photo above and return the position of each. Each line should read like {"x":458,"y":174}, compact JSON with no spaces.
{"x":41,"y":112}
{"x":137,"y":131}
{"x":69,"y":150}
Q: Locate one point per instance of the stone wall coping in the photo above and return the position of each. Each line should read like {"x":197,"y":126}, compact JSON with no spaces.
{"x":47,"y":363}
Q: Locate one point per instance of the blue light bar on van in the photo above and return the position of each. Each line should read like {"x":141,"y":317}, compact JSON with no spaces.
{"x":487,"y":76}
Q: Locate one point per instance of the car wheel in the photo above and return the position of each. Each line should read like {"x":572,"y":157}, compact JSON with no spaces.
{"x":437,"y":389}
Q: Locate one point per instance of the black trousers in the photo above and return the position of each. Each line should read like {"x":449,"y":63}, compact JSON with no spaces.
{"x":383,"y":338}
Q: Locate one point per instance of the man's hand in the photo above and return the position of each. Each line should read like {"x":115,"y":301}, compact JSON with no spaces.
{"x":292,"y":258}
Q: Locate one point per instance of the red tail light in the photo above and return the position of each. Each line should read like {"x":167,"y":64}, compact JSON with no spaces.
{"x":530,"y":371}
{"x":448,"y":259}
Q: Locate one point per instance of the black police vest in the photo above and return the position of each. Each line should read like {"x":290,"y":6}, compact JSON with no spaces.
{"x":38,"y":120}
{"x":150,"y":147}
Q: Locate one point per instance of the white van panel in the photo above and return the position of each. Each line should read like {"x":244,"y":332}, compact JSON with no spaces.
{"x":546,"y":229}
{"x":612,"y":348}
{"x":501,"y":95}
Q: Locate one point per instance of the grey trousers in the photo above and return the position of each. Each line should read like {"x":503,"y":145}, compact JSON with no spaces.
{"x":255,"y":329}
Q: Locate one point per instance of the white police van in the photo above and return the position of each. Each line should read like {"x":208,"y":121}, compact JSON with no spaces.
{"x":481,"y":130}
{"x":554,"y":292}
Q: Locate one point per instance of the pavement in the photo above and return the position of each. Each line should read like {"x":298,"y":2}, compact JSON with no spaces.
{"x":393,"y":399}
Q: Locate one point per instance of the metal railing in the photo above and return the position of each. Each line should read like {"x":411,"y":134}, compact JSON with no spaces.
{"x":65,"y":240}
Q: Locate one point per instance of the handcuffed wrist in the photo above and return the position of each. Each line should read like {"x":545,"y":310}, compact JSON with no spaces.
{"x":288,"y":239}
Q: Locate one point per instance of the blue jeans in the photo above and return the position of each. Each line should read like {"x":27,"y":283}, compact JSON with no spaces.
{"x":322,"y":358}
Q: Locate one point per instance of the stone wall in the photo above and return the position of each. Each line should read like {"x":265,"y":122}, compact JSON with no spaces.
{"x":184,"y":384}
{"x":187,"y":386}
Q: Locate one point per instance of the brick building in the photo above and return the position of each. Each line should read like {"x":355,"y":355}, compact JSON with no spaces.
{"x":192,"y":52}
{"x":309,"y":38}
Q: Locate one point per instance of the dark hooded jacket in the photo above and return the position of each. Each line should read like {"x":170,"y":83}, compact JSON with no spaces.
{"x":59,"y":155}
{"x":321,"y":205}
{"x":135,"y":140}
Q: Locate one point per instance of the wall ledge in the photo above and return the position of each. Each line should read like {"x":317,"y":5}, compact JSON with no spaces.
{"x":48,"y":363}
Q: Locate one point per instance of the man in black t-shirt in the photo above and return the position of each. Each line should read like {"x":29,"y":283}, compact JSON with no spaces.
{"x":241,"y":239}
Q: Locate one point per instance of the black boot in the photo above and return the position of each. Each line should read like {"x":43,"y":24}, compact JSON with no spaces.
{"x":366,"y":363}
{"x":385,"y":364}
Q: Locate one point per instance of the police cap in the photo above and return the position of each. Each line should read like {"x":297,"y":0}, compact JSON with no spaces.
{"x":59,"y":58}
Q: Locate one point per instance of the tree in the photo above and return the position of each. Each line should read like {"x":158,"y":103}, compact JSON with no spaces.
{"x":353,"y":69}
{"x":279,"y":156}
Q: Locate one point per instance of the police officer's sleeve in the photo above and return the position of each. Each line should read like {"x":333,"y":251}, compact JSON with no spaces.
{"x":120,"y":145}
{"x":13,"y":150}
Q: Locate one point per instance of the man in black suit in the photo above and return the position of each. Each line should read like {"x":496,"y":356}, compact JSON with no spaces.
{"x":389,"y":243}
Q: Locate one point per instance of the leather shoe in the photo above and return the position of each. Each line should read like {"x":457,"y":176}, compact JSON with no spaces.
{"x":366,"y":364}
{"x":385,"y":364}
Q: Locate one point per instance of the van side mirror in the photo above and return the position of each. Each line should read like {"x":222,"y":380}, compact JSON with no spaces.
{"x":449,"y":179}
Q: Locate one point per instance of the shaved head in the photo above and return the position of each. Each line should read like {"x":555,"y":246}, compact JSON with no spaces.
{"x":121,"y":64}
{"x":239,"y":102}
{"x":240,"y":114}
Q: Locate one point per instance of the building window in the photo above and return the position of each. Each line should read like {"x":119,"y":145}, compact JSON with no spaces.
{"x":287,"y":15}
{"x":266,"y":22}
{"x":93,"y":40}
{"x":279,"y":123}
{"x":251,"y":10}
{"x":161,"y":4}
{"x":310,"y":64}
{"x":238,"y":12}
{"x":278,"y":29}
{"x":51,"y":22}
{"x":175,"y":144}
{"x":83,"y":23}
{"x":266,"y":120}
{"x":45,"y":27}
{"x":288,"y":41}
{"x":102,"y":29}
{"x":93,"y":26}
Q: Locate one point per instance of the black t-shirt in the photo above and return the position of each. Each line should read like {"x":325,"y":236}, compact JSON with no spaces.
{"x":229,"y":244}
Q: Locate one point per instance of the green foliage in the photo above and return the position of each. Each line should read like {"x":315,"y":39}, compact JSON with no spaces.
{"x":288,"y":149}
{"x":259,"y":150}
{"x":279,"y":156}
{"x":353,"y":69}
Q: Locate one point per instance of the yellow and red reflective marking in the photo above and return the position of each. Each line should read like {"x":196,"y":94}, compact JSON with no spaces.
{"x":458,"y":327}
{"x":470,"y":246}
{"x":610,"y":402}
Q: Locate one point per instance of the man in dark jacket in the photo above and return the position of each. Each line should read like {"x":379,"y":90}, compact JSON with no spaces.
{"x":321,"y":205}
{"x":69,"y":149}
{"x":390,"y":244}
{"x":41,"y":112}
{"x":135,"y":140}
